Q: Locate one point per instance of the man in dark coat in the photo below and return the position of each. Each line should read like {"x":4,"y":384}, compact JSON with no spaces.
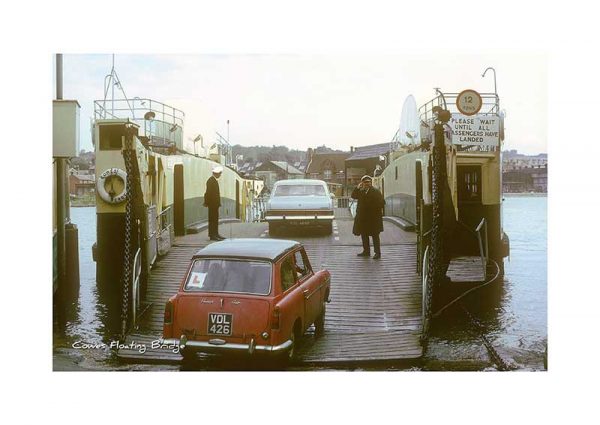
{"x":369,"y":216}
{"x":212,"y":200}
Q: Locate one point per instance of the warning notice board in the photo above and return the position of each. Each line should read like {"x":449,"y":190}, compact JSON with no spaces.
{"x":479,"y":130}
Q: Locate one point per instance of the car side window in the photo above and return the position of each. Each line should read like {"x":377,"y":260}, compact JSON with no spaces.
{"x":288,"y":278}
{"x":302,"y":264}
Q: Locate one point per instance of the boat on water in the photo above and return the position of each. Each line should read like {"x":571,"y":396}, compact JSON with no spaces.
{"x":454,"y":200}
{"x":150,"y":189}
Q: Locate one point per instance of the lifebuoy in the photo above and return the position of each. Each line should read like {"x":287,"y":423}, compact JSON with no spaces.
{"x":106,"y":197}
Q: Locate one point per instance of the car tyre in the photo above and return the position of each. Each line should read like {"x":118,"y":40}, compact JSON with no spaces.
{"x":291,"y":353}
{"x":320,"y":323}
{"x":188,"y":357}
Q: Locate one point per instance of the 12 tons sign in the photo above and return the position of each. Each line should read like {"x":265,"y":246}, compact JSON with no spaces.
{"x":475,"y":131}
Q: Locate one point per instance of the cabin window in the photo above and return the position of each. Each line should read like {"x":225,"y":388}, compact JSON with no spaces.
{"x":111,"y":137}
{"x":469,"y":183}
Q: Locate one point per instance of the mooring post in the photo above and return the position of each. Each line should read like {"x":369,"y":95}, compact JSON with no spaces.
{"x":60,"y":194}
{"x":67,"y":249}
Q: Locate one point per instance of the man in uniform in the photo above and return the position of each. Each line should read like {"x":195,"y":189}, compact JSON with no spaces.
{"x":369,"y":216}
{"x":212,"y":200}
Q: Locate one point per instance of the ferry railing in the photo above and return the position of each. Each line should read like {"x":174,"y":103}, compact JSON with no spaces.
{"x":490,"y":106}
{"x":342,"y":202}
{"x":481,"y":234}
{"x":352,"y":205}
{"x":147,"y":113}
{"x":483,"y":243}
{"x":136,"y":109}
{"x":135,"y":286}
{"x":258,"y":208}
{"x":166,"y":231}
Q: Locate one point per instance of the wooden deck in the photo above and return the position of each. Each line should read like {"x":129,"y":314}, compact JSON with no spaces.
{"x":374,"y":314}
{"x":469,"y":270}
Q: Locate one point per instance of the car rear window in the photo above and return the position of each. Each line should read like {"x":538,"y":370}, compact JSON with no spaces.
{"x":219,"y":275}
{"x":300,"y":190}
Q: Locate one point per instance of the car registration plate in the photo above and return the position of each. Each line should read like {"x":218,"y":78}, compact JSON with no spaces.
{"x":219,"y":323}
{"x":301,"y":222}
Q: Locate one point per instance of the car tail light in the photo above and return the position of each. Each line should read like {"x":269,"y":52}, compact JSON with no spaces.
{"x":275,"y":318}
{"x":169,"y":313}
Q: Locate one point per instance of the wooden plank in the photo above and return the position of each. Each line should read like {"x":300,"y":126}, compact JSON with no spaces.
{"x":374,"y":314}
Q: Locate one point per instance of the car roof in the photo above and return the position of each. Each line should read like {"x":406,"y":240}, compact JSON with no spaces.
{"x":268,"y":249}
{"x":300,"y":181}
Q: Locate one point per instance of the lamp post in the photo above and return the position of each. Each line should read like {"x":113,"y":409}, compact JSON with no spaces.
{"x":483,"y":75}
{"x":495,"y":87}
{"x":229,"y":153}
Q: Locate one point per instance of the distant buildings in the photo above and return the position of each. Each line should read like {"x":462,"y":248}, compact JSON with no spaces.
{"x":369,"y":160}
{"x":81,"y":183}
{"x":271,"y":171}
{"x":327,"y":166}
{"x":524,"y":173}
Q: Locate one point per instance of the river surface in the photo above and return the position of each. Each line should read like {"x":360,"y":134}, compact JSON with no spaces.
{"x":511,"y":314}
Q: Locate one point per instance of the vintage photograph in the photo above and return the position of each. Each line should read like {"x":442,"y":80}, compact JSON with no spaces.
{"x":300,"y":212}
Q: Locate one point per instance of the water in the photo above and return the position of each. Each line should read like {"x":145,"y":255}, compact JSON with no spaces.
{"x":513,"y":313}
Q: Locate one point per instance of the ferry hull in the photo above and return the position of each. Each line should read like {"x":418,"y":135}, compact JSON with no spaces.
{"x":110,"y":239}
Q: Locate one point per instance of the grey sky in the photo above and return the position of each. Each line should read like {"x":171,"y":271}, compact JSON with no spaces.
{"x":309,"y":100}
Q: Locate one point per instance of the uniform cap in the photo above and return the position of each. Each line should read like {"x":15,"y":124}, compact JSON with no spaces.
{"x":366,"y":177}
{"x":217,"y":169}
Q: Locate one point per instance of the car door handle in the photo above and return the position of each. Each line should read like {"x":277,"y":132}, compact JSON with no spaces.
{"x":305,"y":292}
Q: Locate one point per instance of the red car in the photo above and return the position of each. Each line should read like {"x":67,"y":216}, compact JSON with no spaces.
{"x":249,"y":296}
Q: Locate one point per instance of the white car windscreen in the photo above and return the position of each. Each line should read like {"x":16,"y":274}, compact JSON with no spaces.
{"x":299,"y":190}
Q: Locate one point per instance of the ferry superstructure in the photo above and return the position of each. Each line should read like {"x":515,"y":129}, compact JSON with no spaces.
{"x":445,"y":180}
{"x":143,"y":203}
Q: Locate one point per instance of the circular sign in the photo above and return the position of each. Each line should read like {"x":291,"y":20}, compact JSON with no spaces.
{"x":468,"y":102}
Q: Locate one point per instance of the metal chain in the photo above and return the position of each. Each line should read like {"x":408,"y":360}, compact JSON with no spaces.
{"x":436,"y":252}
{"x":496,"y":357}
{"x":127,"y":254}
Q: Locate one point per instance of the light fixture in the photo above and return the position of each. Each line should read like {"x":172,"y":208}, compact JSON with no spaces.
{"x":149,"y":116}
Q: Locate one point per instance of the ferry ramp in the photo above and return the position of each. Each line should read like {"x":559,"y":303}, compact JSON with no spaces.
{"x":375,"y":309}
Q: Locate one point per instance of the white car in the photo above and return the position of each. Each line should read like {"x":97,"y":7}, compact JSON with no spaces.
{"x":300,"y":202}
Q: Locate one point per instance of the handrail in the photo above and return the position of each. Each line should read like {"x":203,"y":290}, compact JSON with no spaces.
{"x":160,"y":109}
{"x":353,"y":204}
{"x":164,"y":219}
{"x":258,"y":208}
{"x":489,"y":100}
{"x":490,"y":106}
{"x":342,"y":201}
{"x":484,"y":254}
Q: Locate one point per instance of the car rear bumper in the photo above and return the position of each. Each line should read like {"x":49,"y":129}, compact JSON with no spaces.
{"x":299,"y":217}
{"x":220,"y":346}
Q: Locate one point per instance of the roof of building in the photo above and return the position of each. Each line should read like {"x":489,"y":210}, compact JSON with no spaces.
{"x":371,"y":151}
{"x":290,"y":169}
{"x":301,"y":165}
{"x":329,"y":159}
{"x":85,"y":177}
{"x":268,"y":249}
